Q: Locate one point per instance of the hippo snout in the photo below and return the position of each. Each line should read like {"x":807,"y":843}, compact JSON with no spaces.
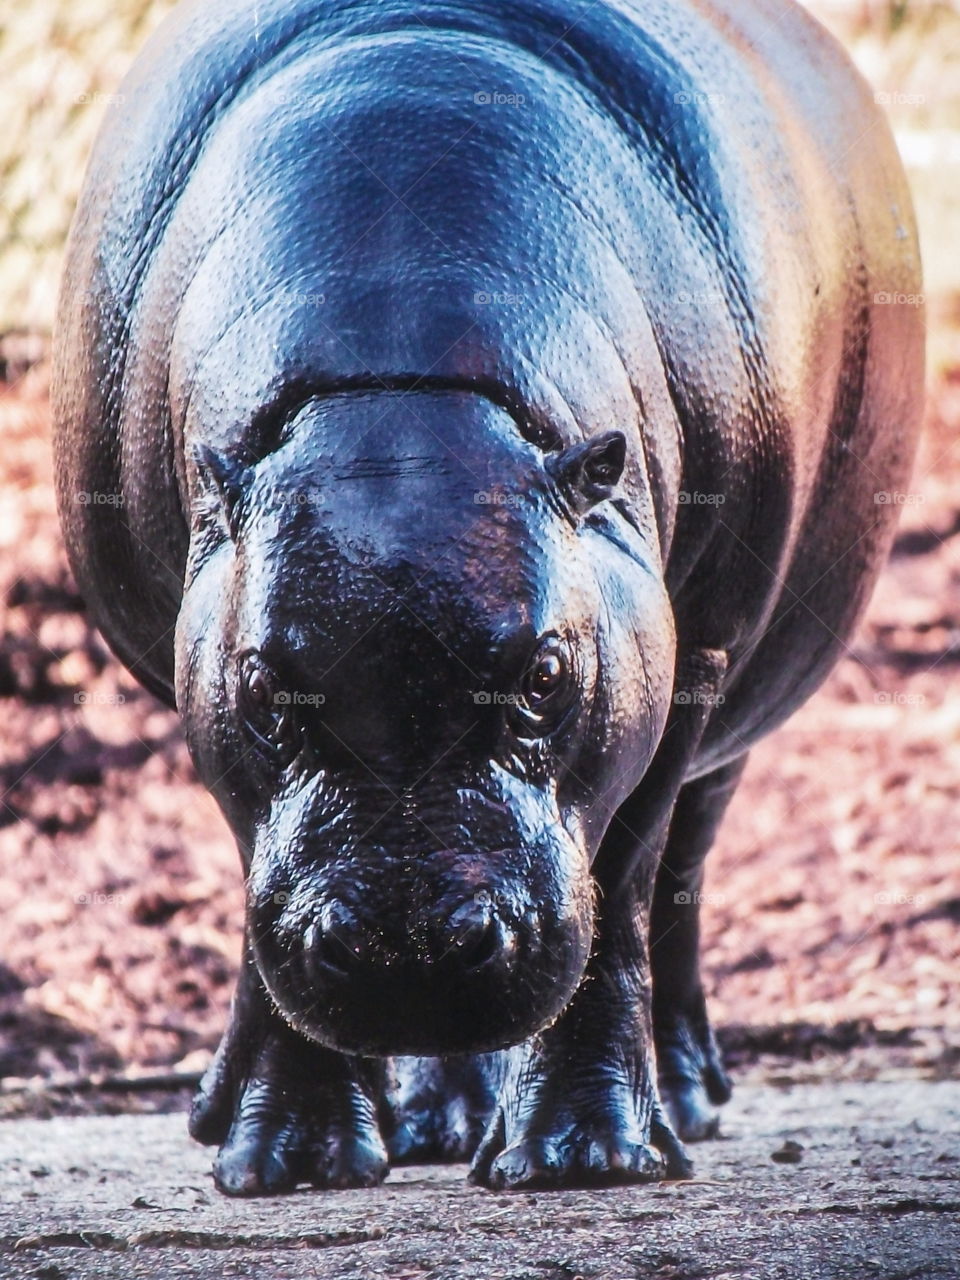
{"x":473,"y":935}
{"x":463,"y":970}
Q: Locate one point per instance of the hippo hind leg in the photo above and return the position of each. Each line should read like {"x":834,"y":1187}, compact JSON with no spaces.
{"x":691,"y":1076}
{"x":438,"y":1108}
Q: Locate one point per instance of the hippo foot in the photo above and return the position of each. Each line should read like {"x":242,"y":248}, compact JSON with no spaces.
{"x":295,"y":1117}
{"x":440,"y":1108}
{"x":286,"y":1111}
{"x":693,"y":1082}
{"x":598,"y":1138}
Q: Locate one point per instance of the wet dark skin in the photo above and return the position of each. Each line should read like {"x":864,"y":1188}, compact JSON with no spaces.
{"x":498,"y":396}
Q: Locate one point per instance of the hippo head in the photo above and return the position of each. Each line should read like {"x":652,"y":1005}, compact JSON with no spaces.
{"x":421,"y":661}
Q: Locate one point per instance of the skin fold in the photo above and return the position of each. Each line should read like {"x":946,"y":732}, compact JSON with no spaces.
{"x":491,"y":403}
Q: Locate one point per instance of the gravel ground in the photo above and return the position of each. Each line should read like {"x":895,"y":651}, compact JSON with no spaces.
{"x":809,"y":1182}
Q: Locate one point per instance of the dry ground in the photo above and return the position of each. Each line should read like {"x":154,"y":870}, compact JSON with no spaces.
{"x":872,"y":1194}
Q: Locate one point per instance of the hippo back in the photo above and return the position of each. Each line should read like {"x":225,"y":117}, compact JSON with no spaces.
{"x":694,"y":207}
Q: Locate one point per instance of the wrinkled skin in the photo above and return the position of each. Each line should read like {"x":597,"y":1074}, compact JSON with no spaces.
{"x":494,"y":401}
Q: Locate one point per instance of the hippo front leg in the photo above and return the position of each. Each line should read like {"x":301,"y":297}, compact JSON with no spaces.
{"x":579,"y":1103}
{"x":284,"y":1109}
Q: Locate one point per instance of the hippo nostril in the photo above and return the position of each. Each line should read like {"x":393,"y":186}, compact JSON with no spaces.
{"x":332,"y":952}
{"x":334,"y":945}
{"x":477,"y":935}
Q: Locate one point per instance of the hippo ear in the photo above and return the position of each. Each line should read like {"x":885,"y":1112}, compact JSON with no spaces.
{"x":588,"y":472}
{"x":222,"y":478}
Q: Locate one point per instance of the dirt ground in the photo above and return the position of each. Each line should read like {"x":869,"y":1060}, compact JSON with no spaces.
{"x":833,"y":897}
{"x":812,"y":1182}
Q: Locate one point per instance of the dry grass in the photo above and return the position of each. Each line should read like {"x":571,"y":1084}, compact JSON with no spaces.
{"x":59,"y":64}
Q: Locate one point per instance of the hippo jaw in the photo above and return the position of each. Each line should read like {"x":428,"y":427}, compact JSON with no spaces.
{"x":390,"y":948}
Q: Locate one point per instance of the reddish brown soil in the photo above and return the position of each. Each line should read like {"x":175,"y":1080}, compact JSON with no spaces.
{"x":834,"y":892}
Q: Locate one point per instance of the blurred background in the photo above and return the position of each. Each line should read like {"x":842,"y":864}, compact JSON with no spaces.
{"x":833,"y":906}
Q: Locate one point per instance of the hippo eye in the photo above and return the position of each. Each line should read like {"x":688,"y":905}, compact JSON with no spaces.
{"x":258,"y":688}
{"x":266,"y":710}
{"x":546,"y":689}
{"x":544,"y":678}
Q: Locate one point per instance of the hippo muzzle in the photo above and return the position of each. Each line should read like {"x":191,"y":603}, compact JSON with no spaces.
{"x":396,"y":948}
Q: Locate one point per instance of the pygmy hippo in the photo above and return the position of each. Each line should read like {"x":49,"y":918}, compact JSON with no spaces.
{"x":478,"y":419}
